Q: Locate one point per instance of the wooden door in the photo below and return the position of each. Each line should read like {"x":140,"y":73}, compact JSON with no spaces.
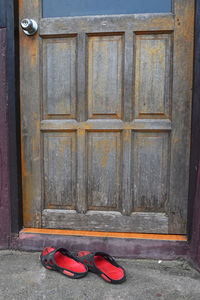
{"x":105,"y":120}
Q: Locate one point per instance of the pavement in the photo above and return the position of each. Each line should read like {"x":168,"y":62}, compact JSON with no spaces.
{"x":23,"y":277}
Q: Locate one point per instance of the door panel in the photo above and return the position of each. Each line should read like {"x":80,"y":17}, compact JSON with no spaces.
{"x":153,"y":75}
{"x":105,"y":109}
{"x":60,"y":169}
{"x":150,"y":171}
{"x":59,"y":77}
{"x":104,"y":169}
{"x":105,"y":63}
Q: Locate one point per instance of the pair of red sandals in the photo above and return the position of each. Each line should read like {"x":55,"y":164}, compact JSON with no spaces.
{"x":63,"y":261}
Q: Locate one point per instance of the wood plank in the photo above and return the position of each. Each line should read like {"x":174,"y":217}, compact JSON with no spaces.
{"x":127,"y":199}
{"x":30,"y":114}
{"x":105,"y":220}
{"x":81,"y":76}
{"x":118,"y":23}
{"x":81,"y":202}
{"x":181,"y":115}
{"x":137,"y":125}
{"x":129,"y":73}
{"x":123,"y":235}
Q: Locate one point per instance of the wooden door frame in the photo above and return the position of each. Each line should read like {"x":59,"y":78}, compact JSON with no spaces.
{"x":194,"y":182}
{"x":195,"y":134}
{"x":10,"y":9}
{"x":10,"y":195}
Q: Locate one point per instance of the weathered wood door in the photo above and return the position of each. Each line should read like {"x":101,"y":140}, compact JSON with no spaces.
{"x":105,"y":120}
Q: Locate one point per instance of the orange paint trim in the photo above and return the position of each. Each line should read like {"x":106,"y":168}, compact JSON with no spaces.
{"x":127,"y":235}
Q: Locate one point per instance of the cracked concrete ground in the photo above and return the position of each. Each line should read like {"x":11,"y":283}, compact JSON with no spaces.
{"x":23,"y":277}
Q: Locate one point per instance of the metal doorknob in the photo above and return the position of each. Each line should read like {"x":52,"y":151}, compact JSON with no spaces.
{"x":29,"y":26}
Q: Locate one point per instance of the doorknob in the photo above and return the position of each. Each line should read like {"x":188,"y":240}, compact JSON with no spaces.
{"x":29,"y":26}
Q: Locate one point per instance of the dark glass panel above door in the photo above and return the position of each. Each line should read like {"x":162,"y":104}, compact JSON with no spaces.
{"x":69,"y":8}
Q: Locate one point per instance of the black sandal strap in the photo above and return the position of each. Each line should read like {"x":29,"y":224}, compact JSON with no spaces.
{"x":48,"y":260}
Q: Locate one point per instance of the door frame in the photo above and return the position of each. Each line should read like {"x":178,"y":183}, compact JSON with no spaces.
{"x":13,"y":216}
{"x":195,"y":132}
{"x":14,"y":152}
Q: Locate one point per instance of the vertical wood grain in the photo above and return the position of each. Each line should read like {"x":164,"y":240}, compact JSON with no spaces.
{"x":127,"y":200}
{"x":153,"y":75}
{"x":81,"y":76}
{"x":81,"y":203}
{"x":105,"y":57}
{"x":181,"y":115}
{"x":59,"y":77}
{"x":60,"y":170}
{"x":30,"y":118}
{"x":129,"y":68}
{"x":150,"y":171}
{"x":104,"y":166}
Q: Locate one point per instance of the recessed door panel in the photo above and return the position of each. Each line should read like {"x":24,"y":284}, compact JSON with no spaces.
{"x":105,"y":76}
{"x":59,"y":77}
{"x":104,"y":166}
{"x":59,"y":170}
{"x":153,"y":75}
{"x":150,"y":169}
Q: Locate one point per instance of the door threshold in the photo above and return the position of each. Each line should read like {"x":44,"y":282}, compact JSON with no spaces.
{"x":125,"y":235}
{"x":118,"y":244}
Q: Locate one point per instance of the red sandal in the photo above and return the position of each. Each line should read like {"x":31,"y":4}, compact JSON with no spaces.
{"x":61,"y":260}
{"x":104,"y":265}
